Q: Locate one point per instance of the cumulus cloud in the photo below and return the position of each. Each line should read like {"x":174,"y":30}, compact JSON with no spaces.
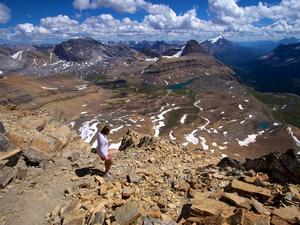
{"x":128,"y":6}
{"x":226,"y":17}
{"x":25,"y":27}
{"x":229,"y":12}
{"x":4,"y":13}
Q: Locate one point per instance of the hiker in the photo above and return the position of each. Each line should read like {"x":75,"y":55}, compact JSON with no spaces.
{"x":102,"y":148}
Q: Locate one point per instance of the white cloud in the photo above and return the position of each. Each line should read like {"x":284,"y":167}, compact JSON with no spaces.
{"x":162,"y":22}
{"x":25,"y":27}
{"x":129,"y":6}
{"x":4,"y":13}
{"x":229,"y":12}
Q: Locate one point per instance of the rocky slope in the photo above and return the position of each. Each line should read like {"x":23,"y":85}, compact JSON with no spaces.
{"x":190,"y":62}
{"x":84,"y":58}
{"x":154,"y":181}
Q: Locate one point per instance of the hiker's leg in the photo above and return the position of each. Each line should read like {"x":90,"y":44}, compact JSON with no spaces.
{"x":108,"y":164}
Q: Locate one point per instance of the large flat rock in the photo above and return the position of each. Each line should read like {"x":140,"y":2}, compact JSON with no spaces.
{"x":242,"y":187}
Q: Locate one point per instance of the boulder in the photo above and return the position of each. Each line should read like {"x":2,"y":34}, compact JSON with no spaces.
{"x":204,"y":206}
{"x":248,"y":189}
{"x":236,"y":200}
{"x":258,"y":179}
{"x":244,"y":217}
{"x":46,"y":144}
{"x":283,"y":167}
{"x":276,"y":220}
{"x":291,"y":214}
{"x":21,"y":169}
{"x":126,"y":192}
{"x":6,"y":176}
{"x":18,"y":138}
{"x":33,"y":123}
{"x":4,"y":143}
{"x":130,"y":139}
{"x":76,"y":218}
{"x":33,"y":157}
{"x":134,"y":178}
{"x":259,"y":207}
{"x":229,"y":162}
{"x":60,"y":131}
{"x":127,"y":213}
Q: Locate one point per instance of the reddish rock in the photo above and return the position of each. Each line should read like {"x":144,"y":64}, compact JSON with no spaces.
{"x":127,"y":213}
{"x":242,"y":187}
{"x":204,"y":206}
{"x":236,"y":200}
{"x":244,"y":217}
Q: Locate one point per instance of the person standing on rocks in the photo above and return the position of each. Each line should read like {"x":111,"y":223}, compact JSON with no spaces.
{"x":102,"y":148}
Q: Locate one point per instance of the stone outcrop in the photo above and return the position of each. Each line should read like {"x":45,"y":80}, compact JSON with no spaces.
{"x":283,"y":167}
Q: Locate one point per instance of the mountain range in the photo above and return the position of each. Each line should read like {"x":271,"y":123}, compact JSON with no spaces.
{"x":278,"y":71}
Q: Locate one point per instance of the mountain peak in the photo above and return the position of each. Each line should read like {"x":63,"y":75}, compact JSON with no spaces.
{"x":193,"y":47}
{"x":216,"y":39}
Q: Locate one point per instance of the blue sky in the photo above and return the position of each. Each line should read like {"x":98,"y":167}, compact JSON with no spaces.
{"x":38,"y":21}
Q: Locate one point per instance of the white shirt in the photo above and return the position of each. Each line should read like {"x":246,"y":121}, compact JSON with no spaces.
{"x":102,"y":145}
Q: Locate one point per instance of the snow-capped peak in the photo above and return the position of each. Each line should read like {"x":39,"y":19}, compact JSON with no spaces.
{"x":17,"y":55}
{"x":214,"y":40}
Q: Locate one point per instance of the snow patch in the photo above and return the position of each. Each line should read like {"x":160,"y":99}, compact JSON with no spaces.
{"x":1,"y":72}
{"x":203,"y":143}
{"x":191,"y":137}
{"x":158,"y":120}
{"x":81,"y":87}
{"x":151,"y":59}
{"x":224,"y":156}
{"x":295,"y":139}
{"x":17,"y":55}
{"x":196,"y":104}
{"x":116,"y":129}
{"x":115,"y":146}
{"x":72,"y":124}
{"x":250,"y":139}
{"x":49,"y":88}
{"x":88,"y":129}
{"x":182,"y":120}
{"x":216,"y":39}
{"x":177,"y":55}
{"x":171,"y":135}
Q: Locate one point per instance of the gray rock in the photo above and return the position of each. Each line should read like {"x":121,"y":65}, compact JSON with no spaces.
{"x":284,"y":167}
{"x":34,"y":158}
{"x":2,"y":128}
{"x":4,"y":143}
{"x":152,"y":221}
{"x":229,"y":162}
{"x":8,"y":174}
{"x":133,"y":177}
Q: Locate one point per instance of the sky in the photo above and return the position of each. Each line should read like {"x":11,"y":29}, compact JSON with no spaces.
{"x":49,"y":21}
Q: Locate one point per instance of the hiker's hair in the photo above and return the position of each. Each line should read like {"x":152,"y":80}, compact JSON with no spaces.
{"x":105,"y":130}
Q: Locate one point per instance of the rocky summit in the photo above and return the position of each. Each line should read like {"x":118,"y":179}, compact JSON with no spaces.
{"x":50,"y":176}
